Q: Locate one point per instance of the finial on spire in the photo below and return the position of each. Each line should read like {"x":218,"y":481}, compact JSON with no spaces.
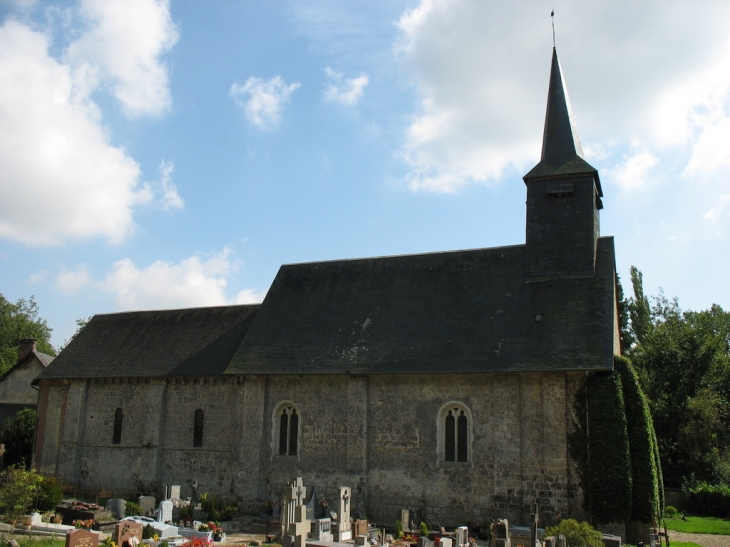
{"x":552,"y":20}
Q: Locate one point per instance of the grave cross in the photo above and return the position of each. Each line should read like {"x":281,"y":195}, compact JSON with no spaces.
{"x":346,"y":499}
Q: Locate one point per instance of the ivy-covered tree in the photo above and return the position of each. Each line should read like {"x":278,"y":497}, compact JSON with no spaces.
{"x":17,"y":321}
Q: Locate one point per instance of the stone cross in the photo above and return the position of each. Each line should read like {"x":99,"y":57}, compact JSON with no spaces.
{"x":296,"y":492}
{"x":300,"y":527}
{"x":344,"y":516}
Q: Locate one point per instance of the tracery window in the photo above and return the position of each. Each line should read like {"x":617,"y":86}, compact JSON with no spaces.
{"x":117,"y":433}
{"x":198,"y":428}
{"x":287,"y":417}
{"x":454,"y":432}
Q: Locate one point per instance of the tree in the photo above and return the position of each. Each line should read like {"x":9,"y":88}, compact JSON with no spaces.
{"x":639,"y":309}
{"x":17,"y":436}
{"x":683,"y":360}
{"x":17,"y":321}
{"x":624,"y":319}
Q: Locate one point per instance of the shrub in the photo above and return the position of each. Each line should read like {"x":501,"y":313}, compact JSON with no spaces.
{"x":424,"y":530}
{"x":50,"y":493}
{"x":17,"y":436}
{"x":131,"y":509}
{"x":398,"y":529}
{"x":670,"y":512}
{"x":19,"y":492}
{"x":708,"y":499}
{"x":148,"y":532}
{"x":577,"y":534}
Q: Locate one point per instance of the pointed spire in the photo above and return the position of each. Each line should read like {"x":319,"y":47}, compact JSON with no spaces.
{"x":562,"y":153}
{"x":560,"y":141}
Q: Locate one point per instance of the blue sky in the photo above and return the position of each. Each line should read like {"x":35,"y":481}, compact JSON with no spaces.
{"x":163,"y":155}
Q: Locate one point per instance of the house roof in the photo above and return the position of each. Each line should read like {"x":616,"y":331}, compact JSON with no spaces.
{"x":189,"y":342}
{"x":43,"y":359}
{"x":452,"y":312}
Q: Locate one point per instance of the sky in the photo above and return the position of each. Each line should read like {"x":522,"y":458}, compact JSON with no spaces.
{"x":158,"y":155}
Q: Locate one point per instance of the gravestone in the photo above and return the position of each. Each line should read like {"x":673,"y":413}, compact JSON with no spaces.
{"x":501,"y":534}
{"x":322,"y":530}
{"x":165,"y":513}
{"x":116,"y":506}
{"x":125,"y":530}
{"x":446,"y":542}
{"x":344,"y":528}
{"x":81,"y":538}
{"x":361,"y":540}
{"x":424,"y":542}
{"x":405,"y":517}
{"x":361,"y":527}
{"x":311,"y":505}
{"x":295,"y":495}
{"x":300,"y":527}
{"x":147,"y":504}
{"x":462,"y":536}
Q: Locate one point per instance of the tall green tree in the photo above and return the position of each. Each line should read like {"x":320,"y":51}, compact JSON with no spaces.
{"x":683,"y":359}
{"x":17,"y":436}
{"x":639,"y":309}
{"x":17,"y":321}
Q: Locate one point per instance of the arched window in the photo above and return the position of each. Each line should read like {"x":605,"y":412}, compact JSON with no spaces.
{"x":287,"y":424}
{"x":117,"y":434}
{"x":454,"y":422}
{"x":198,"y":428}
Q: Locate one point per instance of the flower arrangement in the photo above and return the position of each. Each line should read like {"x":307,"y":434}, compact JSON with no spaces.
{"x":87,"y":524}
{"x":196,"y":542}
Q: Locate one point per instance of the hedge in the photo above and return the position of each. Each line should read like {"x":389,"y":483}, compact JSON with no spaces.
{"x":708,"y":499}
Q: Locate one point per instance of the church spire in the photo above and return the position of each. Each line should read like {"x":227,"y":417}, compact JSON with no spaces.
{"x":562,"y":153}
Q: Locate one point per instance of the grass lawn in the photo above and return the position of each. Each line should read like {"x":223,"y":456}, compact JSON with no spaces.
{"x":699,"y":525}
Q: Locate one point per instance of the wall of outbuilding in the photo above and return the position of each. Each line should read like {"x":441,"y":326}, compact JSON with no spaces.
{"x":376,"y":434}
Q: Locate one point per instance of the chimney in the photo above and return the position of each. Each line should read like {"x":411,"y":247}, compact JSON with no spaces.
{"x":25,"y":346}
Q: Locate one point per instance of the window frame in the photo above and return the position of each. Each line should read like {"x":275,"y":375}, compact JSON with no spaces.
{"x":462,"y":435}
{"x":286,"y":414}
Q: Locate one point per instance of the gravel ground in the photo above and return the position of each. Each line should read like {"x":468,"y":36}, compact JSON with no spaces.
{"x":706,"y":540}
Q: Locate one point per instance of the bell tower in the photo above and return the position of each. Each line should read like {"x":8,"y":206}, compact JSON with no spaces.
{"x":563,"y":196}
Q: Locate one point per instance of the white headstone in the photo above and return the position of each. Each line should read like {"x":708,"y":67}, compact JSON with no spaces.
{"x":345,"y":497}
{"x":165,"y":513}
{"x":295,"y":495}
{"x":446,"y":542}
{"x":462,"y":536}
{"x":175,"y":492}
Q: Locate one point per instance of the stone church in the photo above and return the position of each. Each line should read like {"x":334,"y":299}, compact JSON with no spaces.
{"x":443,"y":383}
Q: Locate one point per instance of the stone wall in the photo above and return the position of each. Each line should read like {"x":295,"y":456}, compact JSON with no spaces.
{"x":380,"y":435}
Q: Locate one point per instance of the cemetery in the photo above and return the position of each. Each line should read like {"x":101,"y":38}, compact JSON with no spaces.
{"x":299,"y":519}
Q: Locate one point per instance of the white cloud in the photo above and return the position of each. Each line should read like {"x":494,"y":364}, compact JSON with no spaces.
{"x":633,"y":172}
{"x":163,"y":192}
{"x":72,"y":281}
{"x":344,"y":91}
{"x":711,"y":151}
{"x":61,"y":179}
{"x":714,"y":214}
{"x":262,"y":101}
{"x":124,"y":46}
{"x":192,"y":282}
{"x":481,"y":107}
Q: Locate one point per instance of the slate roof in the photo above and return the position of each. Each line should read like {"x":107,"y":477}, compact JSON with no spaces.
{"x":453,"y":312}
{"x":562,"y":152}
{"x":189,"y":342}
